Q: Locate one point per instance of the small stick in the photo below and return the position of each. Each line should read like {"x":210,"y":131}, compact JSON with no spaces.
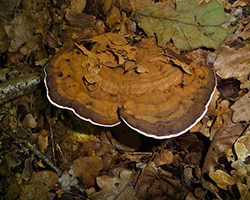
{"x":18,"y":86}
{"x":44,"y":158}
{"x":26,"y":145}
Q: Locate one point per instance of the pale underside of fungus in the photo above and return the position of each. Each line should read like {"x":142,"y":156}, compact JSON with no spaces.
{"x":138,"y":84}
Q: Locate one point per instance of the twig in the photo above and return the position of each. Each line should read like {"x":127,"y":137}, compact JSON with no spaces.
{"x":26,"y":145}
{"x":78,"y":188}
{"x":43,"y":157}
{"x":18,"y":86}
{"x":33,"y":148}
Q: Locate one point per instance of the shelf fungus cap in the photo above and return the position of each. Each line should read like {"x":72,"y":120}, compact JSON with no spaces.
{"x":158,"y":100}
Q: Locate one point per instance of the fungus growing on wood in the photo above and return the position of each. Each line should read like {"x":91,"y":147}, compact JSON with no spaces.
{"x":138,"y":84}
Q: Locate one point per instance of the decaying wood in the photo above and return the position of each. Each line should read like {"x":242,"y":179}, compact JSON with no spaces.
{"x":18,"y":86}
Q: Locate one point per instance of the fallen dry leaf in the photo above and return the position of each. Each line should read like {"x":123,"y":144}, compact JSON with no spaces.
{"x":188,"y":175}
{"x":12,"y":192}
{"x":245,"y":34}
{"x":47,"y":178}
{"x":87,"y":168}
{"x":21,"y":30}
{"x":243,"y":190}
{"x":112,"y":187}
{"x":240,"y":168}
{"x":154,"y":181}
{"x":27,"y":171}
{"x":164,"y":157}
{"x":137,"y":4}
{"x":70,"y":144}
{"x":230,"y":89}
{"x":78,"y":19}
{"x":38,"y":188}
{"x":242,"y":146}
{"x":240,"y":3}
{"x":81,"y":26}
{"x":222,"y":140}
{"x":221,"y":115}
{"x":34,"y":191}
{"x":113,"y":16}
{"x":43,"y":141}
{"x":7,"y":9}
{"x":233,"y":63}
{"x":77,"y":5}
{"x":67,"y":181}
{"x":29,"y":121}
{"x":222,"y":179}
{"x":106,"y":145}
{"x":241,"y":107}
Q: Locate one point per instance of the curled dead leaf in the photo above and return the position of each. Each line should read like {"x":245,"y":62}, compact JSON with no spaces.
{"x":29,"y":121}
{"x":222,"y":179}
{"x":223,"y":140}
{"x":164,"y":157}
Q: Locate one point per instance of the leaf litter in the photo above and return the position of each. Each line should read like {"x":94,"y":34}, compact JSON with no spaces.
{"x":100,"y":163}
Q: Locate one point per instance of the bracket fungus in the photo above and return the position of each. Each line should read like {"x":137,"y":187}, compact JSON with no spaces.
{"x":138,"y":84}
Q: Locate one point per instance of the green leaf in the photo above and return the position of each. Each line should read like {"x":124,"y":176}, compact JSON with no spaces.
{"x":188,"y":26}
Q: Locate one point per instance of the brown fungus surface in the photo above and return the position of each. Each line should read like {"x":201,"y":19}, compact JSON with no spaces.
{"x":136,"y":83}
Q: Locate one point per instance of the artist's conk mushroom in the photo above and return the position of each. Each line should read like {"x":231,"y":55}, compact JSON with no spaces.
{"x":138,"y":84}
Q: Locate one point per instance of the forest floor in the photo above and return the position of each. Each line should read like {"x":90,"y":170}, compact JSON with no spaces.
{"x":50,"y":153}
